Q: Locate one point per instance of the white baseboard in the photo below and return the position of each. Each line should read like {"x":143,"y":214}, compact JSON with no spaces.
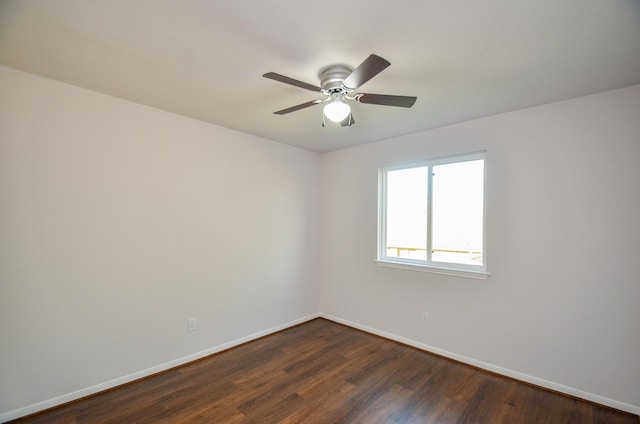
{"x":78,"y":394}
{"x":59,"y":400}
{"x":633,"y":409}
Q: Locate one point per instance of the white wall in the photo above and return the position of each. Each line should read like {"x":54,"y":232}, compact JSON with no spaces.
{"x":563,"y":305}
{"x":119,"y":222}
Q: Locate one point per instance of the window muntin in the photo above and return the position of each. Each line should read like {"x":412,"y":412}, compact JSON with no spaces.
{"x":432,"y":214}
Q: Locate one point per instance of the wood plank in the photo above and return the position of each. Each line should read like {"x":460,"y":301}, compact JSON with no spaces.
{"x":323,"y":372}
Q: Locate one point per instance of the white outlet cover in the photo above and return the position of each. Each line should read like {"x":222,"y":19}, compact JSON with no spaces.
{"x":191,"y":324}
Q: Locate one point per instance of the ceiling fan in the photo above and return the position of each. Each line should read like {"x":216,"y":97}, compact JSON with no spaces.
{"x":339,"y":84}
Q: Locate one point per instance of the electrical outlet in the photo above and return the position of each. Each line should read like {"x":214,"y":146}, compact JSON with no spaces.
{"x":192,"y":324}
{"x":424,"y":317}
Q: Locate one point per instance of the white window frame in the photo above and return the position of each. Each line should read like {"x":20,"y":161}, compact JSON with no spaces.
{"x":461,"y":270}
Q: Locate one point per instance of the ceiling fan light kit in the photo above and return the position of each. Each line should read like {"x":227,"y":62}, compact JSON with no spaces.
{"x":336,"y":109}
{"x":338,"y":83}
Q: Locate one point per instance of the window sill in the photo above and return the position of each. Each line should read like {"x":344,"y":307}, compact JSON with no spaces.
{"x":466,"y":273}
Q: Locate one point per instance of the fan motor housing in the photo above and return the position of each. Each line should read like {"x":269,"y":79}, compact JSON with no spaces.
{"x":331,"y":77}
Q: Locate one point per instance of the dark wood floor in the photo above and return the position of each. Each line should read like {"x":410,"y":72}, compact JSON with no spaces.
{"x":323,"y":372}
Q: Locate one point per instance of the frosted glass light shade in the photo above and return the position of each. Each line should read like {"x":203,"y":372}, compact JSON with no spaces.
{"x":336,"y":111}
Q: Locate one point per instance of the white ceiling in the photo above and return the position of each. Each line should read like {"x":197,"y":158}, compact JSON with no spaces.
{"x":204,"y":59}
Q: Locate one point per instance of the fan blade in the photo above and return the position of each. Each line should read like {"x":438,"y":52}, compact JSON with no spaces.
{"x":298,"y":107}
{"x":368,"y":69}
{"x":291,"y":81}
{"x":348,"y":121}
{"x":386,"y":100}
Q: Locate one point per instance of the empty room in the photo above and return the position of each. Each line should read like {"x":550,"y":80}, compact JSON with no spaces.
{"x":290,"y":211}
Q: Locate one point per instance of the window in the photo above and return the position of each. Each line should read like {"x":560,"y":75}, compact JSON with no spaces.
{"x":432,"y":216}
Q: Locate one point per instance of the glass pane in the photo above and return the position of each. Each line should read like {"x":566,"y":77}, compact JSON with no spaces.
{"x":407,"y":213}
{"x":457,"y":226}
